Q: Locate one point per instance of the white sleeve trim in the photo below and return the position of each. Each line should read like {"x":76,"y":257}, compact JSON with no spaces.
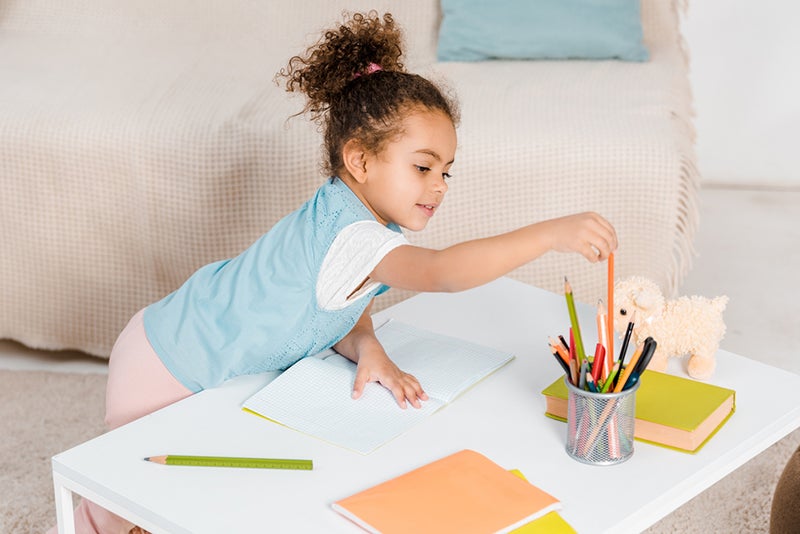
{"x":354,"y":253}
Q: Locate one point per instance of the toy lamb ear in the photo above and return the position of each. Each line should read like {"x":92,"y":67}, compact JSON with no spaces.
{"x":644,"y":300}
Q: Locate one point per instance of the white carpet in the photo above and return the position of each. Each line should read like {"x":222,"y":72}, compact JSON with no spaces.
{"x":41,"y":413}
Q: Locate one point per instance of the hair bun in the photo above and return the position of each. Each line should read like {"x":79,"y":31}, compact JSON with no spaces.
{"x":342,"y":55}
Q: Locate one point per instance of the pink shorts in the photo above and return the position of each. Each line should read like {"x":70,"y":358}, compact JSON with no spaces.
{"x":138,"y":382}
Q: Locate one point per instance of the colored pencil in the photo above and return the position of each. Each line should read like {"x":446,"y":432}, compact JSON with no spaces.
{"x":221,"y":461}
{"x":582,"y":374}
{"x":610,"y":380}
{"x":611,"y":312}
{"x":598,"y":364}
{"x":573,"y":354}
{"x":559,"y":349}
{"x":561,"y":362}
{"x":624,"y":348}
{"x":649,"y":350}
{"x":573,"y":372}
{"x":647,"y":354}
{"x":573,"y":317}
{"x":602,"y":337}
{"x":613,"y":438}
{"x":623,"y":379}
{"x":590,"y":383}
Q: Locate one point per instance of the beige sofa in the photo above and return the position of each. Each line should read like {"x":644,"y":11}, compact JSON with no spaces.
{"x":140,"y":140}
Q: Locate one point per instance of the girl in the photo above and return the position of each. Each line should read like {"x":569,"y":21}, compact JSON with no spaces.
{"x":308,"y":283}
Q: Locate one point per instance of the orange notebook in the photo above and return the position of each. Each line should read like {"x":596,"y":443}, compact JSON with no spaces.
{"x":464,"y":492}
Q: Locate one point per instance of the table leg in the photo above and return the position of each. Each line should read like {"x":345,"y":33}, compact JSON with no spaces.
{"x":64,"y":510}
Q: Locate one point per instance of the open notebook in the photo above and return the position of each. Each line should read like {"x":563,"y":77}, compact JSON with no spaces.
{"x":314,"y":395}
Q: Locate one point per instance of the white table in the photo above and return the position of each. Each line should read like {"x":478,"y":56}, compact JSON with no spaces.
{"x":502,"y":417}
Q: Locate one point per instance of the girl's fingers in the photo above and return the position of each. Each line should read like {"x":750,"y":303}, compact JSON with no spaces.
{"x":362,"y":377}
{"x":605,"y":231}
{"x":412,"y":391}
{"x":403,"y":387}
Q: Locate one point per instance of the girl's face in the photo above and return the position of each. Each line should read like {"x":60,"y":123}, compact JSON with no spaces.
{"x":405,"y":183}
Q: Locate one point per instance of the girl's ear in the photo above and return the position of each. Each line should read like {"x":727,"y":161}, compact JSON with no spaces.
{"x":355,"y":160}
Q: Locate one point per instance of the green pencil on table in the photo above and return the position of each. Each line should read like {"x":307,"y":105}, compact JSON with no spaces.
{"x":226,"y":461}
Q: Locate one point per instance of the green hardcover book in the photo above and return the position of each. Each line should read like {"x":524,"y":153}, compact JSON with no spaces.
{"x":672,"y":411}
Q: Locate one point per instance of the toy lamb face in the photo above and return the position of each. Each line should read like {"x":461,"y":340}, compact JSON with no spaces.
{"x":686,"y":326}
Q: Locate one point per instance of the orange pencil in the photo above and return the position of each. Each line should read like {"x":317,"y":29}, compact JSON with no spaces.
{"x":559,"y":348}
{"x":611,"y":312}
{"x":602,"y":338}
{"x":629,"y":368}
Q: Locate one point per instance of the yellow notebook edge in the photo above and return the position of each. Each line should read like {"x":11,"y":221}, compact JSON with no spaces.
{"x":554,"y":507}
{"x":363,"y":453}
{"x":551,"y":522}
{"x":248,"y":410}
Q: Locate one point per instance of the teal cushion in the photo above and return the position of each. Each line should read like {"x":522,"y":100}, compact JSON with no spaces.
{"x":476,"y":30}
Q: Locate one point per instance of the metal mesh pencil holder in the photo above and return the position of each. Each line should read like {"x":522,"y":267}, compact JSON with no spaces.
{"x":600,"y":425}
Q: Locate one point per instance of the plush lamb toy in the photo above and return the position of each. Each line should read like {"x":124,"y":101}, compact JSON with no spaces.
{"x":688,"y":325}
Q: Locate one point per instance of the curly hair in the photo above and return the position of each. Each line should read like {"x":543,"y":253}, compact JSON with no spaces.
{"x":356,"y":85}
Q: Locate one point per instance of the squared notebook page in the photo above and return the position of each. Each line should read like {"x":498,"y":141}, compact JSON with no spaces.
{"x":445,"y":366}
{"x":464,"y":492}
{"x":314,"y":395}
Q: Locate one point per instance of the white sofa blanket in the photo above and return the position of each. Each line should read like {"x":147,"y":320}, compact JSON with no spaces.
{"x":141,"y":140}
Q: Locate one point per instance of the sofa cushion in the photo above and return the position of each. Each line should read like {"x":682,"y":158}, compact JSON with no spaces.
{"x":474,"y":30}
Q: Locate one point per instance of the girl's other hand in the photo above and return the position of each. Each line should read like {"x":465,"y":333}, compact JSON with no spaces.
{"x":377,"y":367}
{"x":587,"y":233}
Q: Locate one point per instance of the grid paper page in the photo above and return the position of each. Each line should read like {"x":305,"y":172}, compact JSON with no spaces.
{"x":314,"y":395}
{"x":445,"y":366}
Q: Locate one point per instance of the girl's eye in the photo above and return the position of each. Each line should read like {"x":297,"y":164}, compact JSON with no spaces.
{"x":446,"y":175}
{"x":422,"y":169}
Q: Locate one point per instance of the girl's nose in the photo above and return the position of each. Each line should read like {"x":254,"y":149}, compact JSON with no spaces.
{"x":440,"y":185}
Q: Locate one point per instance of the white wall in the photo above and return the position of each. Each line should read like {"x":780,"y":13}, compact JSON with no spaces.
{"x":745,"y":73}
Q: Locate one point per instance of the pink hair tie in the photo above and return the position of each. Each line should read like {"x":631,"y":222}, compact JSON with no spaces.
{"x":371,"y":68}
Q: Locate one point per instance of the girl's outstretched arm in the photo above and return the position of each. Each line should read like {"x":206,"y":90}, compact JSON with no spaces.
{"x":361,"y":346}
{"x":473,"y":263}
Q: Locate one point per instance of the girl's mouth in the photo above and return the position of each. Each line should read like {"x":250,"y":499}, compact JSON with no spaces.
{"x":428,"y":209}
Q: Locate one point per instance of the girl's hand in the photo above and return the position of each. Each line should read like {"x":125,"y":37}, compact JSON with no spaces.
{"x":361,"y":346}
{"x":586,"y":233}
{"x":375,"y":366}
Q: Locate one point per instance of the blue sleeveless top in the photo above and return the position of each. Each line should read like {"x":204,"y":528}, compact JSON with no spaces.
{"x":258,"y":311}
